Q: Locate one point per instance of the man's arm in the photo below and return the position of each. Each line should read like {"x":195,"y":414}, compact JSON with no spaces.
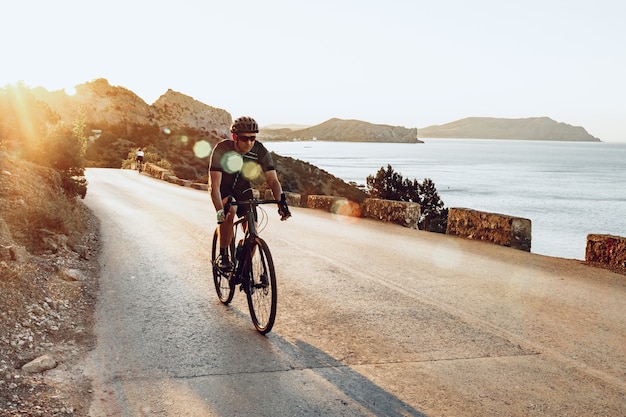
{"x":272,"y":180}
{"x":277,"y":190}
{"x":215,"y":180}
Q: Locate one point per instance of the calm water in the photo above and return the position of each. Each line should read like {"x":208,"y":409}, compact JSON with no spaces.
{"x":567,"y":189}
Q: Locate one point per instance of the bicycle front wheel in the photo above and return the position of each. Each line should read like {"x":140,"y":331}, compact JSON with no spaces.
{"x":225,"y":290}
{"x":261,"y":286}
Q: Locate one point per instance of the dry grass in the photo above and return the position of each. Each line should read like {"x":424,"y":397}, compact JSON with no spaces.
{"x":33,"y":204}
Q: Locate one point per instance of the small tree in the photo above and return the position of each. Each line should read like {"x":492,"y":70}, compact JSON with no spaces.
{"x":386,"y":184}
{"x":411,"y":191}
{"x":389,"y":185}
{"x":433,"y":214}
{"x":64,"y":150}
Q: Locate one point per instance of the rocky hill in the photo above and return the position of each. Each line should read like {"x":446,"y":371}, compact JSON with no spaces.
{"x":178,"y":110}
{"x":533,"y":128}
{"x":339,"y":130}
{"x":106,"y":105}
{"x":307,"y":179}
{"x":119,"y":122}
{"x":124,"y":122}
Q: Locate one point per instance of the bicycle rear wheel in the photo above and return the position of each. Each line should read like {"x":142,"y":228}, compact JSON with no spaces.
{"x":225,"y":290}
{"x":261,"y":286}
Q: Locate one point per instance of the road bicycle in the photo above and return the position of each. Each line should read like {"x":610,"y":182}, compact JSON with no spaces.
{"x":139,"y":166}
{"x":252,"y":267}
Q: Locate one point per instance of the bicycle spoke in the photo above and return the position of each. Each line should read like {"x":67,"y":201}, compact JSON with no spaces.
{"x":262,"y":294}
{"x":223,"y":286}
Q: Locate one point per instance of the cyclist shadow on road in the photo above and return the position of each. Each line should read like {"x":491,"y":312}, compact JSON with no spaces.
{"x":354,"y":385}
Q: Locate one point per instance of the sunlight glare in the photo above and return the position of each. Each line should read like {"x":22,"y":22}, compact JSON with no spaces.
{"x":232,"y":162}
{"x":251,"y":170}
{"x":347,"y":211}
{"x":202,"y":149}
{"x":448,"y":256}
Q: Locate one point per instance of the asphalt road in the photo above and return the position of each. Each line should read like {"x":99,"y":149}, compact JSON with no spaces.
{"x":373,"y":319}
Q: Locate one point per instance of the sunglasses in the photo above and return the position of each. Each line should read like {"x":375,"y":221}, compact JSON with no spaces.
{"x":246,"y":138}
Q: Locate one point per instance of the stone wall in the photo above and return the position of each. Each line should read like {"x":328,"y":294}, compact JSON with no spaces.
{"x":500,"y":229}
{"x":156,"y":171}
{"x":336,"y":205}
{"x":607,"y":250}
{"x":200,"y":186}
{"x":293,"y":199}
{"x":398,"y":212}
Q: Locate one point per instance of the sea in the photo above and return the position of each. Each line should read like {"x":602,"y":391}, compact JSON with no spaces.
{"x":566,"y":189}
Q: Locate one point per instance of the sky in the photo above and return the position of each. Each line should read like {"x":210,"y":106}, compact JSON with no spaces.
{"x":412,"y":63}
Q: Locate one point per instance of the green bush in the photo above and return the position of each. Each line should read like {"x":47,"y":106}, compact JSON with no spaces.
{"x":24,"y":125}
{"x":390,"y":185}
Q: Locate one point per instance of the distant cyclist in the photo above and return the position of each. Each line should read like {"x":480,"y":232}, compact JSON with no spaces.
{"x":234,"y":163}
{"x":139,"y":158}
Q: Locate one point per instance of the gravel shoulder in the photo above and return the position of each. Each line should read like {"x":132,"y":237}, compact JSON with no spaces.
{"x":47,"y":312}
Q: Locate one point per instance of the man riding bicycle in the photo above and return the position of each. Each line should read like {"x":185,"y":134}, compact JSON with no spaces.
{"x":139,"y":157}
{"x":234,"y":164}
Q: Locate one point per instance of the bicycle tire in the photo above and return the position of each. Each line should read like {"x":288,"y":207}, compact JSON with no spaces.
{"x":223,"y":286}
{"x":260,"y":287}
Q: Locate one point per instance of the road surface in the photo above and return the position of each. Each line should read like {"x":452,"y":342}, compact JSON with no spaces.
{"x":373,"y":319}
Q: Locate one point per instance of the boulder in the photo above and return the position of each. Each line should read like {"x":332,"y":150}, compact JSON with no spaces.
{"x":41,"y":364}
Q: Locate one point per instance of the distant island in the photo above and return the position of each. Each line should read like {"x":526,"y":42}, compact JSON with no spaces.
{"x":339,"y":130}
{"x":532,"y":128}
{"x":336,"y":130}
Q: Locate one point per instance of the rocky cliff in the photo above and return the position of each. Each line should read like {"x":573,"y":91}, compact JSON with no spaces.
{"x":178,"y":110}
{"x":108,"y":105}
{"x":339,"y":130}
{"x":533,"y":128}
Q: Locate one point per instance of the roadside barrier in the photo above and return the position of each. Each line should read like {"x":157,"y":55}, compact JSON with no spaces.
{"x":500,"y":229}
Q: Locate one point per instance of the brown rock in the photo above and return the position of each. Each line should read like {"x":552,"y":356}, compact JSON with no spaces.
{"x":41,"y":364}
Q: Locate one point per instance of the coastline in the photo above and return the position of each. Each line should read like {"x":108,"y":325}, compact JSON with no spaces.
{"x":567,"y":189}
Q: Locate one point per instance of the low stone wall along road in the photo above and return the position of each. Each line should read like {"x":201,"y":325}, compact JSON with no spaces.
{"x":373,"y":319}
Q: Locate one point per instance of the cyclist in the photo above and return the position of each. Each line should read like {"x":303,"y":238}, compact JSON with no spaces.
{"x":234,"y":164}
{"x":139,"y":157}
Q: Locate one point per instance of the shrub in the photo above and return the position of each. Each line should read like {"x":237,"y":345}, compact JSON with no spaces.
{"x":24,"y":125}
{"x":390,"y":185}
{"x":387,"y":185}
{"x":434,"y":216}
